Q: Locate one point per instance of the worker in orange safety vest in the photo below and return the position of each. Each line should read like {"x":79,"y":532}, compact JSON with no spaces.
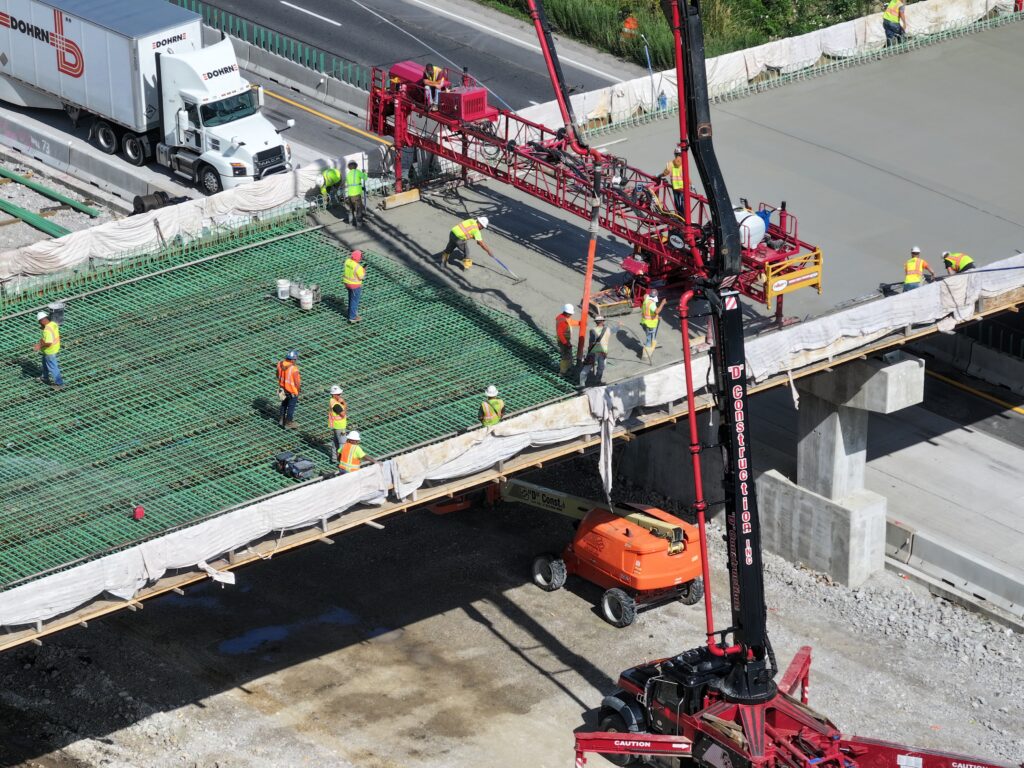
{"x":289,"y":383}
{"x":914,"y":270}
{"x":564,"y":323}
{"x":957,"y":262}
{"x":351,"y":454}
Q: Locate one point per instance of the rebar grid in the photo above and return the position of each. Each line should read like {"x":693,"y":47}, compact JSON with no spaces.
{"x":170,"y":397}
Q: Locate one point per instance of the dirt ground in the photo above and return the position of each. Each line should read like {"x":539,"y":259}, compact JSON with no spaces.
{"x":426,"y":645}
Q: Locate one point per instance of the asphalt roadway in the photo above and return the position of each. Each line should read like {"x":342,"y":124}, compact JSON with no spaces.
{"x":501,"y":52}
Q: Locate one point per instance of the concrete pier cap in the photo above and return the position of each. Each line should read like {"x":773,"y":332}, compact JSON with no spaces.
{"x":827,"y":520}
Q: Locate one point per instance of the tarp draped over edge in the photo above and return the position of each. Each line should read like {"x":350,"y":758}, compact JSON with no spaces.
{"x":600,"y":409}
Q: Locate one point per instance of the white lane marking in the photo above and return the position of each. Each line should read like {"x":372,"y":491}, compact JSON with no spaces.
{"x":315,"y":15}
{"x":535,"y":103}
{"x":516,"y":40}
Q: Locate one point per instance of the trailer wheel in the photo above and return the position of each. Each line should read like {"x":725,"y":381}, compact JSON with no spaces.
{"x":618,"y":608}
{"x":613,"y":723}
{"x":209,"y":180}
{"x":549,"y":572}
{"x":691,"y":592}
{"x":134,"y":149}
{"x":106,"y":136}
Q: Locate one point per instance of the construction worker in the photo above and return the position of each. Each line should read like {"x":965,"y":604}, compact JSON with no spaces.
{"x":491,"y":409}
{"x":674,"y":173}
{"x":433,"y":83}
{"x":328,"y":179}
{"x":597,"y":352}
{"x":957,"y":262}
{"x":49,"y":345}
{"x":337,"y":418}
{"x":894,"y":22}
{"x":630,"y":29}
{"x":650,"y":319}
{"x":351,"y":453}
{"x":461,"y":233}
{"x":355,"y":177}
{"x":564,"y":323}
{"x":355,"y":272}
{"x":914,"y":270}
{"x":289,"y":383}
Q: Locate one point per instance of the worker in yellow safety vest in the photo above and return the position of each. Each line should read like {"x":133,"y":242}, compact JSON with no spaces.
{"x":462,"y":233}
{"x":355,"y":177}
{"x":491,"y":409}
{"x":894,"y":22}
{"x":597,"y":353}
{"x":355,"y":273}
{"x":337,"y":418}
{"x":650,"y":318}
{"x":674,"y":173}
{"x":48,"y":346}
{"x":914,"y":270}
{"x":328,"y":179}
{"x":434,"y":82}
{"x":957,"y":262}
{"x":351,"y":453}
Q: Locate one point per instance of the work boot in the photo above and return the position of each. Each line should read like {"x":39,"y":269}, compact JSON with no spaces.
{"x":444,"y":258}
{"x":57,"y":387}
{"x":291,"y":425}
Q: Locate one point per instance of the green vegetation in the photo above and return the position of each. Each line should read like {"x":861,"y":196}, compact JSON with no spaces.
{"x":729,"y":25}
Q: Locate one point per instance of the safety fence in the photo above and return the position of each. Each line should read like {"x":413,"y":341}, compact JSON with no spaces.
{"x":270,"y":40}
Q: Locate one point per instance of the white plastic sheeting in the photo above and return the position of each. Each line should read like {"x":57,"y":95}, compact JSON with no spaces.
{"x":735,"y":70}
{"x":149,"y":231}
{"x":600,"y":410}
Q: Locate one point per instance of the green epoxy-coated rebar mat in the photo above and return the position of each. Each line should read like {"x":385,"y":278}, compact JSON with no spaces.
{"x":170,"y":397}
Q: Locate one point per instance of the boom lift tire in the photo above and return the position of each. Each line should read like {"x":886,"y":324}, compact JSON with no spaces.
{"x":618,"y":608}
{"x":549,"y":572}
{"x":613,"y":723}
{"x":106,"y":137}
{"x":691,"y":592}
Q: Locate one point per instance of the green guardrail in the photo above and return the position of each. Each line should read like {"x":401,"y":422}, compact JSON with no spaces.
{"x":325,"y":62}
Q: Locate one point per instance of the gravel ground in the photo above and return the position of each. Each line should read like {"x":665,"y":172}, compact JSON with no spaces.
{"x":426,"y":645}
{"x":18,"y":233}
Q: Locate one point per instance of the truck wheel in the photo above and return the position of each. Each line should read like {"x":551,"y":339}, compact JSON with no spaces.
{"x":106,"y":137}
{"x":549,"y":572}
{"x":613,"y":723}
{"x":209,"y":180}
{"x":618,"y":608}
{"x":691,"y":592}
{"x":134,"y":149}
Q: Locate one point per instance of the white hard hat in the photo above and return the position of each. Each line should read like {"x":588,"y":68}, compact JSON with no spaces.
{"x":915,"y":249}
{"x":42,"y":314}
{"x":354,"y":435}
{"x":569,"y":309}
{"x":335,"y":390}
{"x":599,"y":319}
{"x":483,"y":221}
{"x":945,"y":254}
{"x":491,"y":391}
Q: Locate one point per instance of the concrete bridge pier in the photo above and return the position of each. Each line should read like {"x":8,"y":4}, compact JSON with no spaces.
{"x":827,"y":519}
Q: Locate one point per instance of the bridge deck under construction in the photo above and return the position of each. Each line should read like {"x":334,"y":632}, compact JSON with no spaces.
{"x":170,"y":397}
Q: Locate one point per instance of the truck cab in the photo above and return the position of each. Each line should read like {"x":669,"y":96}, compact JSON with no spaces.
{"x":213,"y":130}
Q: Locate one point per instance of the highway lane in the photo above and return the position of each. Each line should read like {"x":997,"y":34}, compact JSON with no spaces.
{"x":500,"y":52}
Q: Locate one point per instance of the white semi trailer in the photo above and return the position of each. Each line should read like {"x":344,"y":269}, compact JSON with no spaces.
{"x":138,"y":70}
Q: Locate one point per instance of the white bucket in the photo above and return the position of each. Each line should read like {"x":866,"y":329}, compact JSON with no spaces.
{"x":283,"y":288}
{"x":306,"y":298}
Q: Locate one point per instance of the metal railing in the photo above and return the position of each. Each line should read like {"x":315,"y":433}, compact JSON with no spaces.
{"x":289,"y":48}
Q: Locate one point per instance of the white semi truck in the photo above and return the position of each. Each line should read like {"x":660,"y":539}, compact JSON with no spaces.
{"x":138,"y":70}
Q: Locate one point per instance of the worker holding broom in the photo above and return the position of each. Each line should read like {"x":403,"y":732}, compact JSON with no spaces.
{"x":461,"y":233}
